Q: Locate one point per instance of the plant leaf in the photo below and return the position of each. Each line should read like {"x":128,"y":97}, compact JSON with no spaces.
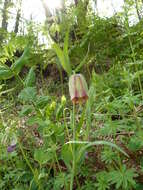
{"x":31,"y":78}
{"x":5,"y":72}
{"x":63,"y":54}
{"x":26,"y":110}
{"x":17,"y":66}
{"x":42,"y":156}
{"x":89,"y":144}
{"x":42,"y":101}
{"x":28,"y":94}
{"x":66,"y":48}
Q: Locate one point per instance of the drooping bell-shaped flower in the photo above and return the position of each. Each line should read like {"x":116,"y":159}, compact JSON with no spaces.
{"x":78,"y":88}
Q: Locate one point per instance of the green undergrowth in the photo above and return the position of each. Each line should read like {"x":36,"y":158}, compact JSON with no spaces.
{"x":42,"y":130}
{"x":49,"y":143}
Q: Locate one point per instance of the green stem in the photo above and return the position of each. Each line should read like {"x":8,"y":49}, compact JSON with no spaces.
{"x":73,"y":163}
{"x":58,"y":163}
{"x":67,"y":131}
{"x":28,"y":163}
{"x":61,"y":78}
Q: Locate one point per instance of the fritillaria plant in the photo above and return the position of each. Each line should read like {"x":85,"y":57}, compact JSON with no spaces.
{"x":77,"y":88}
{"x":79,"y":94}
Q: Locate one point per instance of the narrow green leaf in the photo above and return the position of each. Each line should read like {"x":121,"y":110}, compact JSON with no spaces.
{"x":66,"y":43}
{"x":62,"y":58}
{"x":89,"y":144}
{"x":66,"y":48}
{"x":63,"y":54}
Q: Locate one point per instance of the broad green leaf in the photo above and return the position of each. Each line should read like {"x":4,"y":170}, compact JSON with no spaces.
{"x":17,"y":66}
{"x":42,"y":156}
{"x":34,"y":120}
{"x":5,"y":72}
{"x":28,"y":94}
{"x":31,"y":77}
{"x":42,"y":101}
{"x":26,"y":110}
{"x":66,"y":155}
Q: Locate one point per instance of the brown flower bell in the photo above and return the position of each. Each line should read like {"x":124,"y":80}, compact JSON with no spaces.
{"x":78,"y":88}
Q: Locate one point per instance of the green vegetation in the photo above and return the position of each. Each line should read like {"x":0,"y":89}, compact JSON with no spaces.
{"x":92,"y":140}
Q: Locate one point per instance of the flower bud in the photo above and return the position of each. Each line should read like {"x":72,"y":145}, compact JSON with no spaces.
{"x":53,"y":105}
{"x":78,"y":88}
{"x":63,"y":100}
